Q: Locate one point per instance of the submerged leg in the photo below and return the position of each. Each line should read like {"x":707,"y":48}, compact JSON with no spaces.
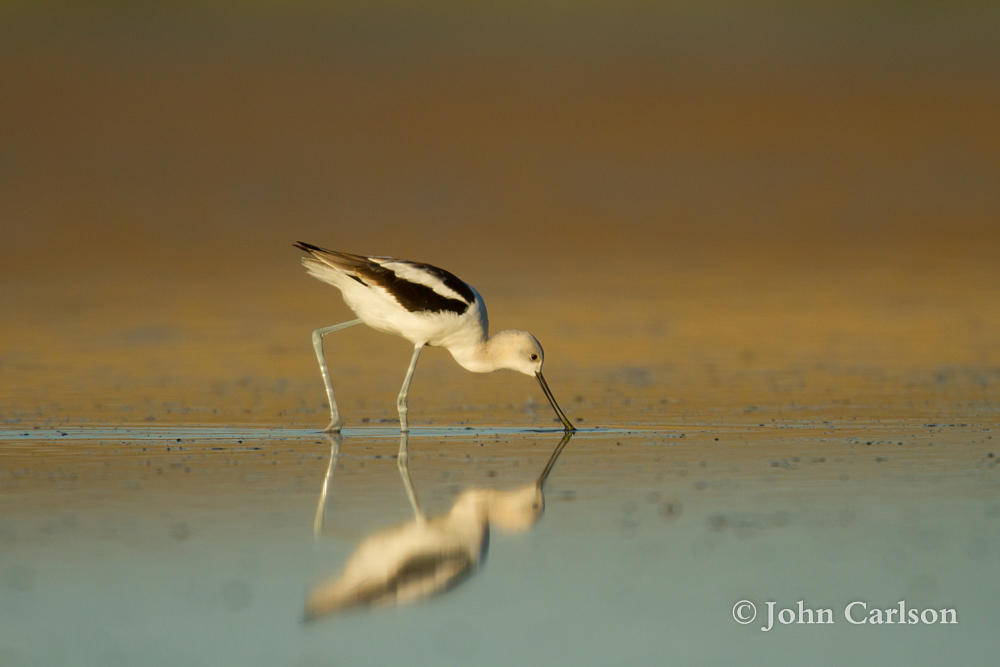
{"x":401,"y":400}
{"x":317,"y":338}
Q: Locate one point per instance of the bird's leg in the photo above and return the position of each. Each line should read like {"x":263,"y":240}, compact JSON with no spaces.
{"x":317,"y":338}
{"x":320,"y":516}
{"x":402,"y":461}
{"x":401,"y":399}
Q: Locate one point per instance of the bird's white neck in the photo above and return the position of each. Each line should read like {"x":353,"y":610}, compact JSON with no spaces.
{"x":475,"y":356}
{"x":516,"y":350}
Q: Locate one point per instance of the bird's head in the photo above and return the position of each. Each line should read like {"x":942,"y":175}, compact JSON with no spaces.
{"x":518,"y":351}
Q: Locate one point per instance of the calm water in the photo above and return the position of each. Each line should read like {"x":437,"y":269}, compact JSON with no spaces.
{"x":197,"y":546}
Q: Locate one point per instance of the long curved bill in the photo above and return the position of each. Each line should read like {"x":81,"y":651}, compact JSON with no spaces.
{"x":567,"y":425}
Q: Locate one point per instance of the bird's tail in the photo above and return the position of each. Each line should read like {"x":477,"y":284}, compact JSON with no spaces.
{"x":329,"y":265}
{"x":344,"y":261}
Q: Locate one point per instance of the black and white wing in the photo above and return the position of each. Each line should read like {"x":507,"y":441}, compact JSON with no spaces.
{"x":415,"y":286}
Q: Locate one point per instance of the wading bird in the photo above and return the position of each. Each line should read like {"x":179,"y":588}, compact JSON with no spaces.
{"x":427,"y":306}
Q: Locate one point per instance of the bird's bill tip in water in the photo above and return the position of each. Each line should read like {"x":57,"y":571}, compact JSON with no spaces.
{"x":567,"y":424}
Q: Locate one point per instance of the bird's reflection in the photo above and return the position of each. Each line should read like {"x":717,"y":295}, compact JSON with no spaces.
{"x":427,"y":555}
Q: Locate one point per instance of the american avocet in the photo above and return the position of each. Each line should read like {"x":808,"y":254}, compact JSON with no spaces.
{"x":427,"y":306}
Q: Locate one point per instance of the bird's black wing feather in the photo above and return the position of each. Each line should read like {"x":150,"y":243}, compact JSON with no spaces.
{"x":415,"y":297}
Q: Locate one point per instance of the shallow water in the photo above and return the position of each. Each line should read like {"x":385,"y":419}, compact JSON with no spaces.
{"x":196,"y":545}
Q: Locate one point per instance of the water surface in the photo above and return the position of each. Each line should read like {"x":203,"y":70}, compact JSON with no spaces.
{"x":196,"y":546}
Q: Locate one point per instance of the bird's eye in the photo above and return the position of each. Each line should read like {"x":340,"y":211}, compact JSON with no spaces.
{"x":534,"y":357}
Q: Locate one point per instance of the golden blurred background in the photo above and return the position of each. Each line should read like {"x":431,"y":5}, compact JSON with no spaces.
{"x":705,"y":211}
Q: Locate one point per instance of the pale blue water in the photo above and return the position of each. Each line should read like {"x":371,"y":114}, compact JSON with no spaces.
{"x":120,"y":551}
